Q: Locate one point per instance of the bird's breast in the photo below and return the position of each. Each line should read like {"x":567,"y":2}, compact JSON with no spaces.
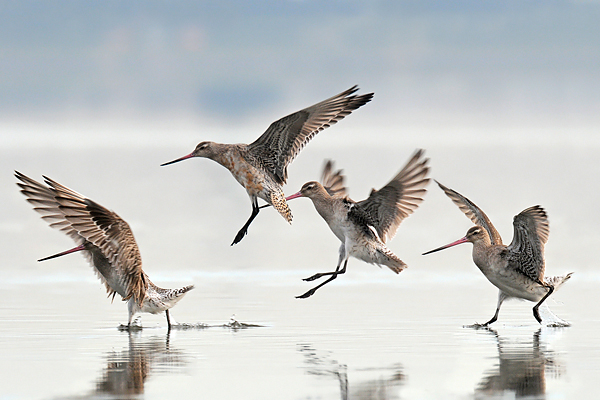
{"x":251,"y":178}
{"x":512,"y":282}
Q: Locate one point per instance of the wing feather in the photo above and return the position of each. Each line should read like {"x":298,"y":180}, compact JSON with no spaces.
{"x":526,"y":251}
{"x":474,"y":213}
{"x":333,"y":182}
{"x":277,"y":147}
{"x":389,"y":206}
{"x":108,"y":238}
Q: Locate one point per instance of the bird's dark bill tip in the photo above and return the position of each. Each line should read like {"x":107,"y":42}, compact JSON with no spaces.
{"x":459,"y":241}
{"x":177,"y":160}
{"x":73,"y":250}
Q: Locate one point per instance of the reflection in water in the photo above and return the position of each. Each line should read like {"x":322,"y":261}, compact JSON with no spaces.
{"x":522,"y":369}
{"x":126,"y":371}
{"x":383,"y":386}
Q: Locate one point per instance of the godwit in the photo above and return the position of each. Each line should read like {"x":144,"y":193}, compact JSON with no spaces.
{"x":107,"y":242}
{"x":517,"y":270}
{"x":364,"y":227}
{"x":261,"y":166}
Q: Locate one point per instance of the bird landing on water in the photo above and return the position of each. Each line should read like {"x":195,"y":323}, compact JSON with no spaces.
{"x":106,"y":241}
{"x":517,"y":270}
{"x":364,"y":227}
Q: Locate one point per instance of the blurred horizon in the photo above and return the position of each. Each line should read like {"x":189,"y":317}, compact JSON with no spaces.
{"x":516,"y":71}
{"x":504,"y":96}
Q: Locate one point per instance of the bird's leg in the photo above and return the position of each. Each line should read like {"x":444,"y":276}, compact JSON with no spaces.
{"x":536,"y":313}
{"x":131,"y":313}
{"x":494,"y":318}
{"x":342,"y":257}
{"x":337,"y":271}
{"x":240,"y":235}
{"x":168,"y":321}
{"x":333,"y":276}
{"x":501,"y":297}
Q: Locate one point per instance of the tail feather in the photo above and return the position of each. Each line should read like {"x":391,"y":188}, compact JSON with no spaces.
{"x":279,"y":203}
{"x":392,"y":261}
{"x":182,"y":291}
{"x":557,"y":281}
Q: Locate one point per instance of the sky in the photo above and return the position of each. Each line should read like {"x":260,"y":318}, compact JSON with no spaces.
{"x":493,"y":69}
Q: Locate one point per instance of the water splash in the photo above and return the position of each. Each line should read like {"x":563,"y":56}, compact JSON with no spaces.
{"x":549,"y":319}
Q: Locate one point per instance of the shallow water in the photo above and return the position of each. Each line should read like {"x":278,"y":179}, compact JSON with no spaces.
{"x":351,"y":341}
{"x":370,"y":334}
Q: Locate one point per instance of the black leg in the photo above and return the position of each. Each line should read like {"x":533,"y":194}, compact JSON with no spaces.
{"x":536,"y":313}
{"x":486,"y":325}
{"x":501,"y":297}
{"x":494,"y":318}
{"x":240,"y":235}
{"x":320,"y":274}
{"x":168,"y":321}
{"x":333,"y":276}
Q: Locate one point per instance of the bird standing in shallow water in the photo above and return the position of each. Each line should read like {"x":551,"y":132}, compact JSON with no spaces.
{"x":261,"y":166}
{"x":364,"y":227}
{"x":517,"y":270}
{"x":107,"y":242}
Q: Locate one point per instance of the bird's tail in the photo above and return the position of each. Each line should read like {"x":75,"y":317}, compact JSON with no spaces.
{"x":182,"y":291}
{"x":391,"y":260}
{"x":557,"y":281}
{"x":279,"y":203}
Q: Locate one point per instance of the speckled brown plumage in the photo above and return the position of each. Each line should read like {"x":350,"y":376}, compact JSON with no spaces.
{"x":261,"y":166}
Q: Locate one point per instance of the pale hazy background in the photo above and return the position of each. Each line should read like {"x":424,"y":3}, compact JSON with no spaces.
{"x":505,"y":97}
{"x":452,"y":71}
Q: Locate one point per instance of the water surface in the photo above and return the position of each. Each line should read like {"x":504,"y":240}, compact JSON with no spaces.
{"x":369,"y":334}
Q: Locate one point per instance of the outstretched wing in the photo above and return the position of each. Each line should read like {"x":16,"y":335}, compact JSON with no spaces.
{"x":526,"y":251}
{"x":284,"y":139}
{"x":107,"y":237}
{"x":474,"y":213}
{"x":388,"y":207}
{"x":333,"y":182}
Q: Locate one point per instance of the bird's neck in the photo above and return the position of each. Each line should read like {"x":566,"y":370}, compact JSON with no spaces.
{"x":226,"y":155}
{"x":325,"y":205}
{"x":484,"y":255}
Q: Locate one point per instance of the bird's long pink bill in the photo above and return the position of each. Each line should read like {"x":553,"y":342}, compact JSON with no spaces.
{"x":294,"y":196}
{"x":177,"y":160}
{"x":78,"y":248}
{"x":459,"y":241}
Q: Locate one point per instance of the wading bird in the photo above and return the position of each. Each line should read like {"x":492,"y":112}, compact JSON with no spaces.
{"x":364,"y":227}
{"x":517,"y":270}
{"x":261,"y":166}
{"x":107,"y":242}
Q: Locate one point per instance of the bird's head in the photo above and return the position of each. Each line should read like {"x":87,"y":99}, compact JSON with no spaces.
{"x":309,"y":189}
{"x":203,"y":149}
{"x":474,"y":234}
